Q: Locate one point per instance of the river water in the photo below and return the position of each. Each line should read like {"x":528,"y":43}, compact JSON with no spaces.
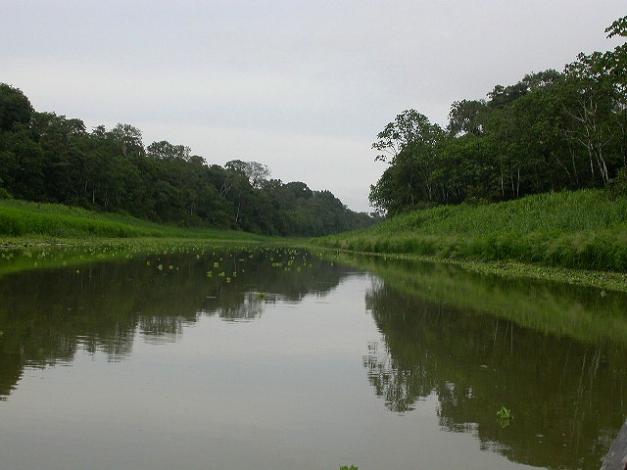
{"x":275,"y":358}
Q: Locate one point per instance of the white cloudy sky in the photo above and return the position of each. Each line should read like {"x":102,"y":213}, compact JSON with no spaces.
{"x":302,"y":86}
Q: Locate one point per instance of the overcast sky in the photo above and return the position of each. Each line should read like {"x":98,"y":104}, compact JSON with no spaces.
{"x":302,"y":86}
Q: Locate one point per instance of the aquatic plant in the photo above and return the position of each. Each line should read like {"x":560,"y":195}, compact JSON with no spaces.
{"x":504,"y":416}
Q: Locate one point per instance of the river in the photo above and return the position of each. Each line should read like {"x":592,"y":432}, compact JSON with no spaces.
{"x":285,"y":359}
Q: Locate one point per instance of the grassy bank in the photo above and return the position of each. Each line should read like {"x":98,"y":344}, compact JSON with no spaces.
{"x":25,"y":254}
{"x":582,"y":230}
{"x":21,"y":219}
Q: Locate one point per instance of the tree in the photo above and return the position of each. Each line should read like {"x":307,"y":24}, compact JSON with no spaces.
{"x":48,"y":157}
{"x":15,"y":108}
{"x":592,"y":107}
{"x":549,"y":131}
{"x":467,"y":117}
{"x":407,"y":127}
{"x":411,"y":145}
{"x":615,"y":63}
{"x":128,"y":139}
{"x":164,"y":150}
{"x":256,"y":172}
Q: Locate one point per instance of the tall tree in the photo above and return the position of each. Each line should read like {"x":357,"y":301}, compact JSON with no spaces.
{"x":15,"y":108}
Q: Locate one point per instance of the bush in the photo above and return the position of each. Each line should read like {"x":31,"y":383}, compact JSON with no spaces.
{"x":4,"y":194}
{"x":618,"y":187}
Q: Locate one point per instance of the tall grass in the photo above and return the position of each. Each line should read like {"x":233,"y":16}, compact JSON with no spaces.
{"x":21,"y":218}
{"x":583,"y":229}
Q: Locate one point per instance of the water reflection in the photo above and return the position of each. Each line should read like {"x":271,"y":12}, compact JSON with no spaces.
{"x":555,"y":355}
{"x":568,"y":396}
{"x":47,"y":315}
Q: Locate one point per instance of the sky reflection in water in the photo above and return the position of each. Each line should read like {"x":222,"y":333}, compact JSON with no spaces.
{"x":288,"y":360}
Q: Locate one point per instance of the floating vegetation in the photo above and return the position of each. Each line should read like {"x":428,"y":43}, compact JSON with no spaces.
{"x":504,"y":413}
{"x":504,"y":416}
{"x":25,"y":254}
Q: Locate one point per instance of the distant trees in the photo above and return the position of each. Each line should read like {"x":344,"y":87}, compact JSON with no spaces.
{"x":550,"y":131}
{"x":48,"y":157}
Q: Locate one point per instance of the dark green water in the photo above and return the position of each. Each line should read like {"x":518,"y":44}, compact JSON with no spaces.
{"x":291,"y":361}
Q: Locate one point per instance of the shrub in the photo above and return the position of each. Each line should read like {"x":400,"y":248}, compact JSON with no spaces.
{"x":618,"y":187}
{"x":4,"y":194}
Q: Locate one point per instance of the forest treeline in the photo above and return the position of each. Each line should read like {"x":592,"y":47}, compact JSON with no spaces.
{"x":551,"y":131}
{"x":46,"y":157}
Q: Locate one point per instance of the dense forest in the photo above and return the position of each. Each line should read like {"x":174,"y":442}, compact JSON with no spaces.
{"x":46,"y":157}
{"x":551,"y":131}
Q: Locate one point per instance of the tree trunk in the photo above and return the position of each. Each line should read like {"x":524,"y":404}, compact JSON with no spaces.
{"x":572,"y":157}
{"x":518,"y":184}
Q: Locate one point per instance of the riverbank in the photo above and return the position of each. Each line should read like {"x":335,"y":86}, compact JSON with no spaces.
{"x":33,"y":221}
{"x":578,"y":238}
{"x":604,"y":280}
{"x":25,"y":254}
{"x":20,"y":253}
{"x":582,"y":230}
{"x":36,"y":236}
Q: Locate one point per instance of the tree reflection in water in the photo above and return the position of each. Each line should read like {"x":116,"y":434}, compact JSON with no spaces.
{"x":567,"y":395}
{"x":555,"y":355}
{"x":46,"y":316}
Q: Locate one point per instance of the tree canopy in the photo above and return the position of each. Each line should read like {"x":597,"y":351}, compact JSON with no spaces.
{"x":550,"y":131}
{"x":51,"y":158}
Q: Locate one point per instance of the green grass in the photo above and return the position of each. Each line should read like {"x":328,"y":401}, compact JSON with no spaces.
{"x":583,"y":230}
{"x":25,"y":254}
{"x":19,"y":219}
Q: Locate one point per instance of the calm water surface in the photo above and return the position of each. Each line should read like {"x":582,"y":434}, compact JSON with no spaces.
{"x":279,"y":359}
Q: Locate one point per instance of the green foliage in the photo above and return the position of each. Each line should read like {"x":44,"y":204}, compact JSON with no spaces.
{"x":346,"y":467}
{"x":504,"y":417}
{"x":49,"y":158}
{"x":20,"y":218}
{"x":504,"y":413}
{"x":14,"y":107}
{"x":583,"y":229}
{"x":550,"y":131}
{"x":4,"y":194}
{"x":467,"y":117}
{"x":618,"y":188}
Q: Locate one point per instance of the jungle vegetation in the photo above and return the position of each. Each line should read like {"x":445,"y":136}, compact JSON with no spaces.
{"x":585,"y":229}
{"x":23,"y":220}
{"x":45,"y":157}
{"x":535,"y":173}
{"x":551,"y":131}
